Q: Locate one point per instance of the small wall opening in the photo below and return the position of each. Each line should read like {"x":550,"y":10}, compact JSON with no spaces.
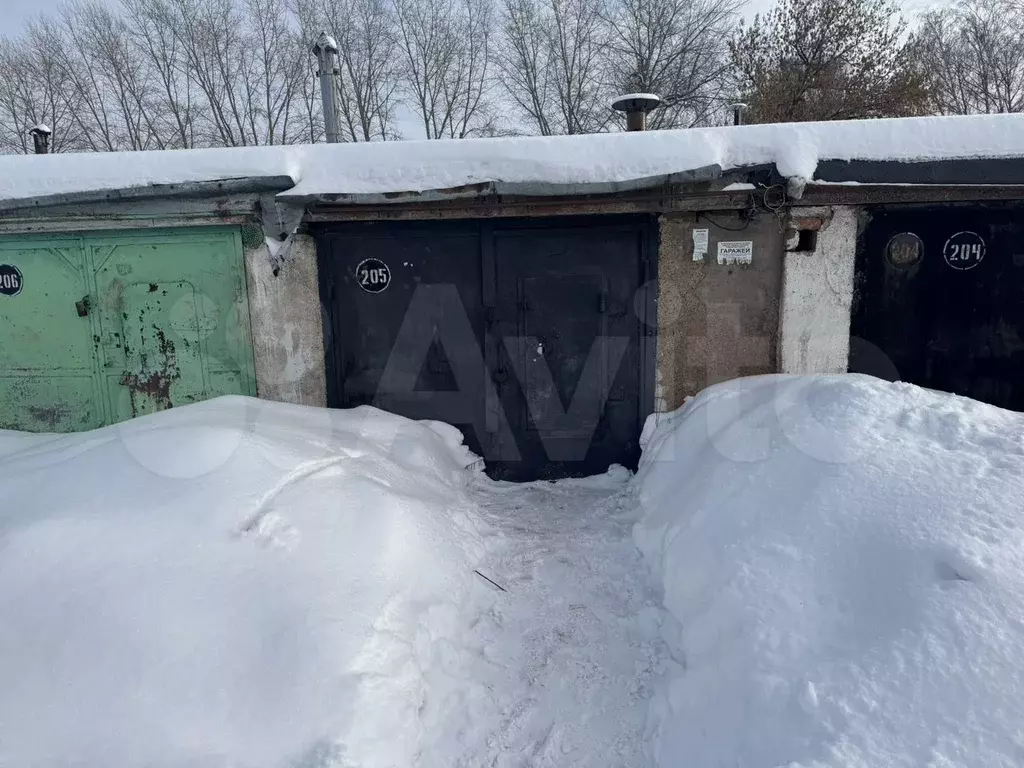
{"x":807,"y":240}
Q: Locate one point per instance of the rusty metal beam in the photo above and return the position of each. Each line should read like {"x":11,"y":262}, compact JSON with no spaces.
{"x":508,"y":207}
{"x":83,"y":223}
{"x":660,"y":202}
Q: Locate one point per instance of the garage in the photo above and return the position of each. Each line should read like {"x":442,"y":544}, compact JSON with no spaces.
{"x":104,"y":326}
{"x":939,"y":299}
{"x":534,"y":336}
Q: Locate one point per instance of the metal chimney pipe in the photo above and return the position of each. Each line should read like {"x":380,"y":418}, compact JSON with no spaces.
{"x":737,"y":112}
{"x":326,"y":51}
{"x":636,"y":120}
{"x":41,"y":139}
{"x":636,"y":106}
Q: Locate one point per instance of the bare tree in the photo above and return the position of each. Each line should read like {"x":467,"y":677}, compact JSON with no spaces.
{"x":111,"y":82}
{"x":523,"y":63}
{"x":552,"y":65}
{"x":218,"y":60}
{"x":577,"y":38}
{"x":676,"y":49}
{"x":151,"y":34}
{"x":974,"y":55}
{"x":34,"y":90}
{"x":280,"y":69}
{"x":446,"y":44}
{"x":829,"y":60}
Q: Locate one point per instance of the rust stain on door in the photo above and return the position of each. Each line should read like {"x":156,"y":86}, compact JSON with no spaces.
{"x":151,"y":389}
{"x":161,"y":371}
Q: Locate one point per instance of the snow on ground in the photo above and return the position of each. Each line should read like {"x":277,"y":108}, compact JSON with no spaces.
{"x":420,"y":166}
{"x":243,"y":584}
{"x":235,"y":583}
{"x":564,"y":662}
{"x":845,"y":561}
{"x":829,"y":573}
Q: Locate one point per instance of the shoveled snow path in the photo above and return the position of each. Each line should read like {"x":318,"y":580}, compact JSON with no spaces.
{"x":558,"y":669}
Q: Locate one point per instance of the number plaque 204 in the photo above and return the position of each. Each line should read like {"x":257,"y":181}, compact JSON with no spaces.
{"x":964,"y":250}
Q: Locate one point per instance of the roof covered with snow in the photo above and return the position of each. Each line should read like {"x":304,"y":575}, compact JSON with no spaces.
{"x":537,"y":165}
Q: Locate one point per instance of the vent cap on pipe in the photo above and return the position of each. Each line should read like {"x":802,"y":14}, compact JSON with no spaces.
{"x":636,"y":106}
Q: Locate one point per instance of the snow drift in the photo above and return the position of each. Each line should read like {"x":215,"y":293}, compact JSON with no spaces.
{"x":237,"y":583}
{"x":845,"y":561}
{"x":244,"y":584}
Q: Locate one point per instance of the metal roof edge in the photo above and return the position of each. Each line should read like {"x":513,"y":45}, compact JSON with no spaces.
{"x":485,"y":189}
{"x":543,"y":189}
{"x":254,"y":185}
{"x":950,"y":172}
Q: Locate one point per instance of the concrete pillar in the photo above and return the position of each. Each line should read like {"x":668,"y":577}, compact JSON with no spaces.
{"x":287,"y":325}
{"x":817,"y":295}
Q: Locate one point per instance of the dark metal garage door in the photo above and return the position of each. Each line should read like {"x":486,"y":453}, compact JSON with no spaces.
{"x":534,"y":337}
{"x":939,"y":299}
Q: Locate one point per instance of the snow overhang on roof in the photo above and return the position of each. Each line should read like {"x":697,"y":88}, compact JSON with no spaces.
{"x":947,"y":150}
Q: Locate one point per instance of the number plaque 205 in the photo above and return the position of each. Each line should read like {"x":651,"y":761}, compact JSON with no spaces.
{"x":373,"y":275}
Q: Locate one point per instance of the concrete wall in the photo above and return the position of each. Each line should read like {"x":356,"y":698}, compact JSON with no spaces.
{"x":817,"y":294}
{"x":716,"y":321}
{"x":287,"y":327}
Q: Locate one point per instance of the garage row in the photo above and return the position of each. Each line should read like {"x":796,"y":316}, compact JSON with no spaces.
{"x":548,"y":335}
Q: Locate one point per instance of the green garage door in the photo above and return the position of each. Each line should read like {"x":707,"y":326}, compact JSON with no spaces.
{"x":99,"y":328}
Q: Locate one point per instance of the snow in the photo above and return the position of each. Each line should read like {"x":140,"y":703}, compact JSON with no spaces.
{"x":325,"y":42}
{"x":805,"y":572}
{"x":245,"y":584}
{"x":630,"y":101}
{"x":646,"y":96}
{"x":423,"y":166}
{"x":559,"y":669}
{"x":844,"y":561}
{"x":236,"y":583}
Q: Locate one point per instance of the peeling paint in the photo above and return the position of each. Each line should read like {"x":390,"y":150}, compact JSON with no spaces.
{"x":151,"y":390}
{"x":156,"y":387}
{"x":51,"y":416}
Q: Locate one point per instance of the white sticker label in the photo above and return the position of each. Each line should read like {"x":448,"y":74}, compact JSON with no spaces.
{"x":700,"y":244}
{"x":736,"y":252}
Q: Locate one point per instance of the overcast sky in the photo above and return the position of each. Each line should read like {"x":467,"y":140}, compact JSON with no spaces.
{"x":14,"y":13}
